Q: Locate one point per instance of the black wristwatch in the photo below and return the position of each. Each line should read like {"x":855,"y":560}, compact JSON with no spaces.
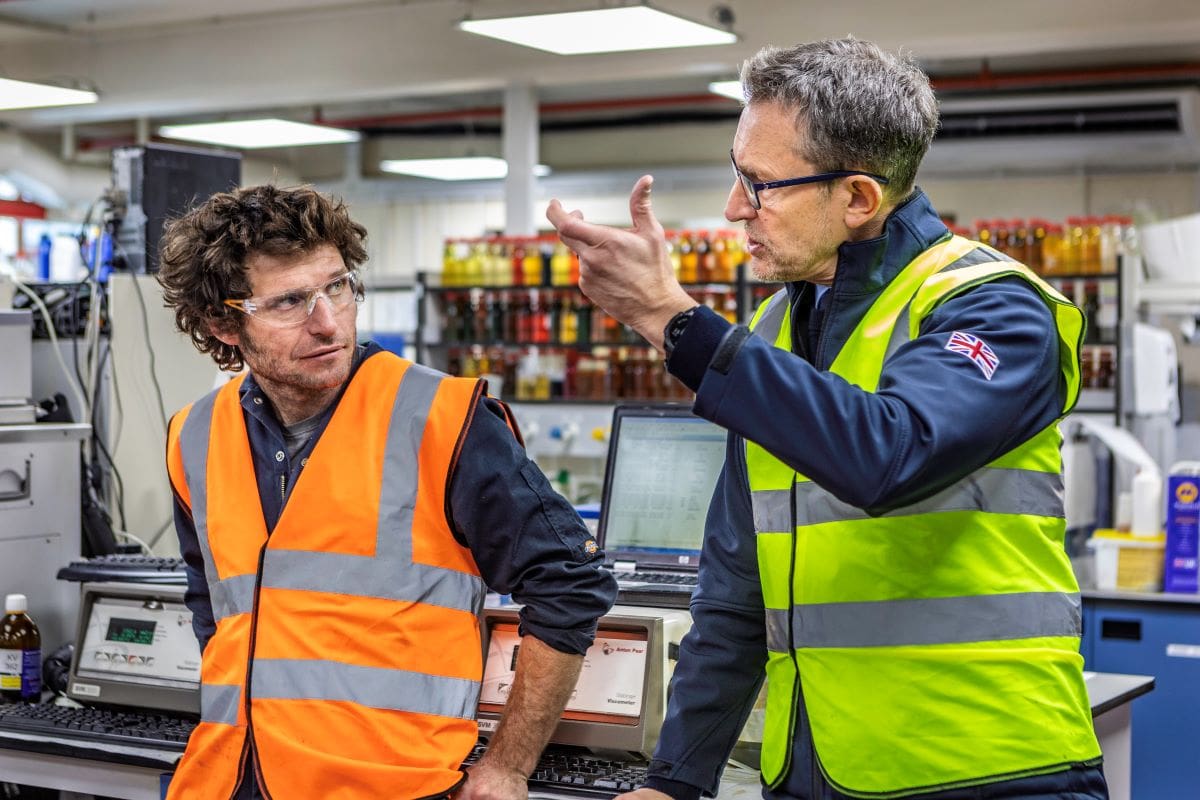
{"x":674,"y":329}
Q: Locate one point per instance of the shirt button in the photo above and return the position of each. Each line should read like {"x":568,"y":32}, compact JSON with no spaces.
{"x":279,"y":456}
{"x":258,"y":401}
{"x":304,"y":462}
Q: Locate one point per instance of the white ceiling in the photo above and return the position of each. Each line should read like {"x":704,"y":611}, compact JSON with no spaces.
{"x":179,"y":60}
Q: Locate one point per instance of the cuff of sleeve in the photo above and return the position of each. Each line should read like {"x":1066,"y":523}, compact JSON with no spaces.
{"x":674,"y":789}
{"x":696,"y":346}
{"x":573,"y":642}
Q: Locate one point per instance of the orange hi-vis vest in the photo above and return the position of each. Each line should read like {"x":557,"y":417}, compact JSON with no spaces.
{"x":347,"y":657}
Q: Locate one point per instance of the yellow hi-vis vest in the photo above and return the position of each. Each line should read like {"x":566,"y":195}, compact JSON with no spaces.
{"x":938,"y":644}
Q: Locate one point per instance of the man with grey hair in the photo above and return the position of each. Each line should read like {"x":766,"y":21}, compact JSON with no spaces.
{"x":886,"y":540}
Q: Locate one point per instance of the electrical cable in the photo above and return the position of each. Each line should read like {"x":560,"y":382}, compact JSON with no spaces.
{"x":37,"y":301}
{"x":162,"y":529}
{"x":119,"y":483}
{"x":127,"y":535}
{"x":158,"y":392}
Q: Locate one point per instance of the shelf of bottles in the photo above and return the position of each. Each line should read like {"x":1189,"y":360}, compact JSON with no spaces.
{"x":510,"y":308}
{"x":1081,"y":258}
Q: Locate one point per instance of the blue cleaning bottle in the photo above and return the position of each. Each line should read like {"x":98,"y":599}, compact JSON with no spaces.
{"x":43,"y":260}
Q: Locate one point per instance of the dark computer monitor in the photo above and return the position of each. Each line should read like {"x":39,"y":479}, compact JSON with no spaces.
{"x":619,"y":700}
{"x":161,"y":182}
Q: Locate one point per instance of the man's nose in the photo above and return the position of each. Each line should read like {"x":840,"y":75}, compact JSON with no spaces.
{"x":737,"y":205}
{"x":321,"y":318}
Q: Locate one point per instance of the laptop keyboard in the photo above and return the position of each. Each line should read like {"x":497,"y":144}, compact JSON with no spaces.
{"x":674,"y":578}
{"x":129,"y":728}
{"x":576,"y":772}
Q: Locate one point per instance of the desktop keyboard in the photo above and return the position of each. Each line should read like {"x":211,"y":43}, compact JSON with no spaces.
{"x":127,"y":568}
{"x":130,"y":728}
{"x":575,"y":771}
{"x":675,"y":578}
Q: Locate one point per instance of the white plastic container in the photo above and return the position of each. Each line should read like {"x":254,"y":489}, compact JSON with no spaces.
{"x":1126,"y":562}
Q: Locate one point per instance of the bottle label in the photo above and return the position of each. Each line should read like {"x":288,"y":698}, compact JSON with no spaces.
{"x":10,"y":669}
{"x":21,"y":670}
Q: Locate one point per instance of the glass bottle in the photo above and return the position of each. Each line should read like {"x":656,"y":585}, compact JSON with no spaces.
{"x":20,"y":653}
{"x":688,"y":260}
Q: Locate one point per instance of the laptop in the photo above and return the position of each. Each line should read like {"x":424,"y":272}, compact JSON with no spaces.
{"x":663,"y":465}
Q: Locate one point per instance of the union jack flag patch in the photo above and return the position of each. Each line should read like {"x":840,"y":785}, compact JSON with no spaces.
{"x":975,"y":349}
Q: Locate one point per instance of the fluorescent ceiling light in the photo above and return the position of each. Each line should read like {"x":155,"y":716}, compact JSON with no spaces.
{"x":250,"y":134}
{"x":473,"y":168}
{"x":22,"y":94}
{"x":605,"y":30}
{"x":730,"y":89}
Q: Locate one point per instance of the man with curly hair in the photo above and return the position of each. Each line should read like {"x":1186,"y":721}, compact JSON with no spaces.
{"x":340,"y":511}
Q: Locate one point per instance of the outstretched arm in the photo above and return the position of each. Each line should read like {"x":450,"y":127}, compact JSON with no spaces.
{"x":544,"y":680}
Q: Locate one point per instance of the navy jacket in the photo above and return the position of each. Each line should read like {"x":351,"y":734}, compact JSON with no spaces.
{"x":934,"y":418}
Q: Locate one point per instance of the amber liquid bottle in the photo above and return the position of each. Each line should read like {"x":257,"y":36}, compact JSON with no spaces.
{"x":20,"y":653}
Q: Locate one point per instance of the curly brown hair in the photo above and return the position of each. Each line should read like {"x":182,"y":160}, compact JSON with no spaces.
{"x":203,"y":254}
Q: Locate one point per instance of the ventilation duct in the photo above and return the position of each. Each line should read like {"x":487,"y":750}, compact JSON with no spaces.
{"x":1111,"y":130}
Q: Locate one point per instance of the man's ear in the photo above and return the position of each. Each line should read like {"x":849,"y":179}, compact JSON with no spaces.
{"x":226,"y":330}
{"x":864,"y":202}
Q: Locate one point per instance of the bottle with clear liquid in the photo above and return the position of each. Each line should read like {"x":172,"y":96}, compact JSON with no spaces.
{"x":20,"y":653}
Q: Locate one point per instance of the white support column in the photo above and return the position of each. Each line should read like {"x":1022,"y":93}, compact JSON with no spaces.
{"x":69,"y":143}
{"x":143,"y":130}
{"x":352,"y":174}
{"x":521,"y":153}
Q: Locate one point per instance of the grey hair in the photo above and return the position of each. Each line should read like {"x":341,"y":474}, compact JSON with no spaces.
{"x":857,"y":106}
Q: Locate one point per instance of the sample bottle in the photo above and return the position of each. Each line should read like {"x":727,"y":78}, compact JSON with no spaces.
{"x":20,"y":653}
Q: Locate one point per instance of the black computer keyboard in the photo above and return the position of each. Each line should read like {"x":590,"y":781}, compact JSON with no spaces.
{"x":675,"y":578}
{"x":575,"y":771}
{"x":161,"y":731}
{"x":128,"y":568}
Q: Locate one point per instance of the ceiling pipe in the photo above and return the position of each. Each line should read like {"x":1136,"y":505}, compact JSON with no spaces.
{"x":495,"y":112}
{"x":986,"y":80}
{"x":982,"y":81}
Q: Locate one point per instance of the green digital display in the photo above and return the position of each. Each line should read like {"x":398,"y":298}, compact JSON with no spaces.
{"x":130,"y":631}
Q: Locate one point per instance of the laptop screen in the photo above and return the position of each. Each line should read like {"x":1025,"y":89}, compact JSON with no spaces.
{"x":135,"y":647}
{"x":663,"y":465}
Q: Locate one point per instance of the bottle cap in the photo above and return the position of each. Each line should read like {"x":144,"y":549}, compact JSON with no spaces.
{"x":15,"y":604}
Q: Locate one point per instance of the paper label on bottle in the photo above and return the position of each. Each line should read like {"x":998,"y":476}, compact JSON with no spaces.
{"x":10,"y":669}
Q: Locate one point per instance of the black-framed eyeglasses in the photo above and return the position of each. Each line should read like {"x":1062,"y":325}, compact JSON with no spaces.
{"x":291,"y":308}
{"x":752,"y":189}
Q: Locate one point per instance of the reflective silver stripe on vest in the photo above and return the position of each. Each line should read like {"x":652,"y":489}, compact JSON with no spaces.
{"x":772,"y":510}
{"x":980,"y":255}
{"x":992,"y":490}
{"x":375,"y":687}
{"x":927,"y":621}
{"x":771,"y":321}
{"x":389,"y":574}
{"x":193,"y":445}
{"x":233,"y":595}
{"x":219,"y":703}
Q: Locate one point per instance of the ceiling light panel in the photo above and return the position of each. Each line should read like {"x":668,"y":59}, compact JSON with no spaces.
{"x":22,"y":94}
{"x":606,"y":30}
{"x":472,"y":168}
{"x":730,"y":89}
{"x":253,"y":134}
